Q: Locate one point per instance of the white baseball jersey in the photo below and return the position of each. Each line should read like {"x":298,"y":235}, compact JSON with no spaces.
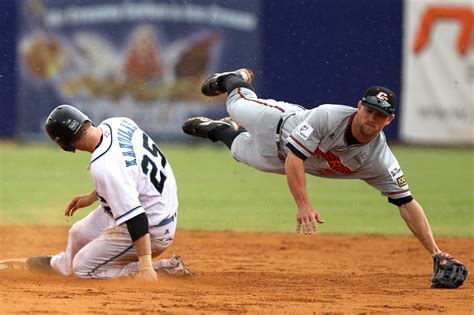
{"x":131,"y":174}
{"x":318,"y":136}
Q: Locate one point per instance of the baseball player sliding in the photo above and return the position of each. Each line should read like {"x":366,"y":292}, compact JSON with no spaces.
{"x":333,"y":141}
{"x":137,"y":216}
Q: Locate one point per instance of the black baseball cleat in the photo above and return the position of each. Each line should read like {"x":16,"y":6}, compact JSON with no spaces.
{"x":233,"y":123}
{"x":202,"y":126}
{"x":214,"y":86}
{"x":39,"y":264}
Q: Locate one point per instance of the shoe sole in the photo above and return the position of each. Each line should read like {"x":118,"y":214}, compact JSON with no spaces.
{"x":190,"y":128}
{"x":210,"y":79}
{"x":39,"y":264}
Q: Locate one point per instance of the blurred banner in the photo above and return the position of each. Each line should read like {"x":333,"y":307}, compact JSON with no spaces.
{"x":143,"y":59}
{"x":438,"y":72}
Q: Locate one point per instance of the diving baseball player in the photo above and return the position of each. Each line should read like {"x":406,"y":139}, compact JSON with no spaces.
{"x":333,"y":141}
{"x":137,"y":216}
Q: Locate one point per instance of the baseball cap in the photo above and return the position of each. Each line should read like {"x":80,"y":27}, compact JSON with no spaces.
{"x":380,"y":98}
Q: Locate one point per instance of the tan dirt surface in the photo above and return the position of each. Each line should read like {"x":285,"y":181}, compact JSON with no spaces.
{"x":250,"y":273}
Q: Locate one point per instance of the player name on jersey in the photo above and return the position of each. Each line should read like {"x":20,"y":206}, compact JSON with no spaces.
{"x":125,"y":134}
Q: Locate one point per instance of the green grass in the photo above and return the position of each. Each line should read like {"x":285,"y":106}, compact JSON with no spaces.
{"x":217,"y":193}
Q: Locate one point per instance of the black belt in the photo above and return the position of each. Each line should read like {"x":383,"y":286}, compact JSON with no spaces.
{"x":280,"y":151}
{"x":166,"y":221}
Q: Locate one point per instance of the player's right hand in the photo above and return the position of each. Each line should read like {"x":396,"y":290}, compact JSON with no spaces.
{"x":307,"y":219}
{"x":78,"y":202}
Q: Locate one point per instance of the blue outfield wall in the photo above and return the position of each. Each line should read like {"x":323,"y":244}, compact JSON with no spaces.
{"x":330,"y":51}
{"x":307,"y":52}
{"x":8,"y":67}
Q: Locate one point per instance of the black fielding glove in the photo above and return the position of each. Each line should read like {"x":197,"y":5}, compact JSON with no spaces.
{"x":448,"y":273}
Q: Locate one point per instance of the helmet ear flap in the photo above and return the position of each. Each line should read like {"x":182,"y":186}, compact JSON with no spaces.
{"x":62,"y":125}
{"x":65,"y":146}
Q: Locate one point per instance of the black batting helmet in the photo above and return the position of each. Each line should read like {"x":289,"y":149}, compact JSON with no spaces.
{"x":62,"y":125}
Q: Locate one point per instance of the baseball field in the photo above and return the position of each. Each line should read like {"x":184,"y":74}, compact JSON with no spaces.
{"x":236,"y":232}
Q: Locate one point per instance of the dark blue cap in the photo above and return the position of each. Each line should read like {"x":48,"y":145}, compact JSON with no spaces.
{"x":380,"y":98}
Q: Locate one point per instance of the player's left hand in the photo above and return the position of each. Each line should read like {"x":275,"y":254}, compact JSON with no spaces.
{"x":147,"y":275}
{"x":448,"y":273}
{"x":307,"y":219}
{"x":145,"y":269}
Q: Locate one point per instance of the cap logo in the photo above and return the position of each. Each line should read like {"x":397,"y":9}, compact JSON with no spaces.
{"x":382,"y":96}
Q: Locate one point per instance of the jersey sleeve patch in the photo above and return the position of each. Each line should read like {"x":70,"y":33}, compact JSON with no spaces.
{"x":401,"y":181}
{"x":399,"y":188}
{"x":397,"y":175}
{"x":304,"y":130}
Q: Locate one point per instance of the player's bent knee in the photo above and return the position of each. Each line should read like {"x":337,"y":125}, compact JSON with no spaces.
{"x":75,"y":232}
{"x":78,"y":236}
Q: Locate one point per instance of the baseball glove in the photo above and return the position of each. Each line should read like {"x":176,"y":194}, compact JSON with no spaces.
{"x":448,"y":273}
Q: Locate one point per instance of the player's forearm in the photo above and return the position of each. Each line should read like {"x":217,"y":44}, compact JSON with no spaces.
{"x":296,"y":178}
{"x":138,"y":229}
{"x":143,"y":246}
{"x":145,"y":264}
{"x":92,"y":196}
{"x":417,"y":222}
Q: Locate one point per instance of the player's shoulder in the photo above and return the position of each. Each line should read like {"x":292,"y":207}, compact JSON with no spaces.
{"x":331,"y":114}
{"x":332,"y":110}
{"x":117,"y":144}
{"x":336,"y":109}
{"x":116,"y":122}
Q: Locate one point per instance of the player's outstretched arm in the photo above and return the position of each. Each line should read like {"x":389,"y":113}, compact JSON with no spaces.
{"x":80,"y":201}
{"x":447,"y":271}
{"x":415,"y":218}
{"x":306,"y":217}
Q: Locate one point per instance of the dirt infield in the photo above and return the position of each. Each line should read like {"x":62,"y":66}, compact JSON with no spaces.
{"x":251,"y":273}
